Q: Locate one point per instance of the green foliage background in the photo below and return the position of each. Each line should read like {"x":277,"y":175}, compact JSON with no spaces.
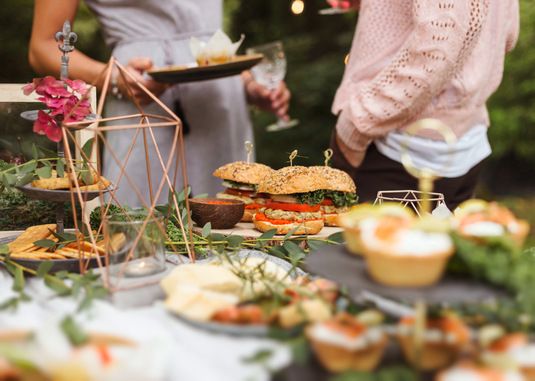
{"x":316,"y":46}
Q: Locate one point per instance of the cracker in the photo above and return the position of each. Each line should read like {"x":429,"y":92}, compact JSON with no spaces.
{"x":52,"y":183}
{"x":24,"y":242}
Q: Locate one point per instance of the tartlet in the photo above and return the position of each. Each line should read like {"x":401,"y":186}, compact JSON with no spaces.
{"x":512,"y":349}
{"x":345,"y":343}
{"x":351,"y":221}
{"x":444,"y":340}
{"x":412,"y":255}
{"x":474,"y":372}
{"x":479,"y":220}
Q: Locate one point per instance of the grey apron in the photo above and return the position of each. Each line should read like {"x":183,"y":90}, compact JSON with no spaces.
{"x":216,"y":110}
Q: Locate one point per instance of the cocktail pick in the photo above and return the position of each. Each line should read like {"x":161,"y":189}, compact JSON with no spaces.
{"x":328,"y":154}
{"x":426,"y":177}
{"x":293,"y":155}
{"x":420,"y":325}
{"x":249,"y":149}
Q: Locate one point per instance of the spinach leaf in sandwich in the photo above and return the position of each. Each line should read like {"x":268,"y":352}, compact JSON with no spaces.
{"x":341,"y":199}
{"x":311,"y":198}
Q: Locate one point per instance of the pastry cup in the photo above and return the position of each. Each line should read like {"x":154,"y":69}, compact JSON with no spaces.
{"x":338,"y":359}
{"x":407,"y":270}
{"x":528,"y":373}
{"x":353,"y":241}
{"x":433,"y":355}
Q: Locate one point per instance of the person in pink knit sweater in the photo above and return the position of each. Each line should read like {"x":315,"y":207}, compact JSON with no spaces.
{"x":416,"y":59}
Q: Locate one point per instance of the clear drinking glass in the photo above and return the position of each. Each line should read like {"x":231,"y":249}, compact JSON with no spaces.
{"x":135,"y":243}
{"x":269,"y":73}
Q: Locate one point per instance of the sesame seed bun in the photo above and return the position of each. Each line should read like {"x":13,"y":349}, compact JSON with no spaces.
{"x":337,"y":180}
{"x":242,"y":172}
{"x":289,"y":180}
{"x":306,"y":227}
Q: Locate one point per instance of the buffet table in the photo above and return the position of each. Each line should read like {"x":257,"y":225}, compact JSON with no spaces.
{"x":189,"y":353}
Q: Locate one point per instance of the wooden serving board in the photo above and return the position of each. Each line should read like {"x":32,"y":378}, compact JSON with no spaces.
{"x":247,"y":230}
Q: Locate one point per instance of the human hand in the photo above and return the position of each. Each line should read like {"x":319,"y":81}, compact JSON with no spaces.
{"x":276,"y":101}
{"x":353,"y":157}
{"x":127,"y":84}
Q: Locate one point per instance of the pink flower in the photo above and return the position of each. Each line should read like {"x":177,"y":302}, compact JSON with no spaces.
{"x":78,"y":85}
{"x":46,"y":125}
{"x":66,"y":100}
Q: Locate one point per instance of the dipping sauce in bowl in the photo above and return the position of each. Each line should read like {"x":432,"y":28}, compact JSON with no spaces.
{"x":221,"y":213}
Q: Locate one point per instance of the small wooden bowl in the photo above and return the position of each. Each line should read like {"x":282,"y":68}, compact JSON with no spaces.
{"x":221,"y":213}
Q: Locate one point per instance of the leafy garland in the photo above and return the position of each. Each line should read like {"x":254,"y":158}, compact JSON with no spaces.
{"x":87,"y":287}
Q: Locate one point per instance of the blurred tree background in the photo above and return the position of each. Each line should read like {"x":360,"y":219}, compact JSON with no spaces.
{"x":316,"y":47}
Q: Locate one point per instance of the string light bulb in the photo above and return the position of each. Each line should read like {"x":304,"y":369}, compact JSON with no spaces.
{"x":298,"y":6}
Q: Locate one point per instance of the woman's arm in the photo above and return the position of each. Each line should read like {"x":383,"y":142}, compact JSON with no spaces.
{"x":438,"y":43}
{"x":44,"y":55}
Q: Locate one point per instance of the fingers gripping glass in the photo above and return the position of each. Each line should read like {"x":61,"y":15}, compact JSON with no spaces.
{"x":269,"y":73}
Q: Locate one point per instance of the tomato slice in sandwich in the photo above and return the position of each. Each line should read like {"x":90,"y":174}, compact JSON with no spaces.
{"x":254,"y":206}
{"x":327,"y":202}
{"x":302,"y":208}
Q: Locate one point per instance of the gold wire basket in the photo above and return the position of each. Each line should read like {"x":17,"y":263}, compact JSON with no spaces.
{"x":411,"y":198}
{"x":422,"y":200}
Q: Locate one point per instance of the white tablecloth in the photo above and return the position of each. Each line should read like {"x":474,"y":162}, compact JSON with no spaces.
{"x":190,"y":353}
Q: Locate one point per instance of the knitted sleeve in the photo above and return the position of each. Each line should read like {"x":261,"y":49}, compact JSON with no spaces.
{"x":514,"y":26}
{"x":444,"y":33}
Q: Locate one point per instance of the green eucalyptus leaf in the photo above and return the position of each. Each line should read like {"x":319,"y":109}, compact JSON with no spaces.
{"x":57,"y":285}
{"x":18,"y":282}
{"x":46,"y":243}
{"x":25,"y":179}
{"x":268,"y":235}
{"x":316,"y":245}
{"x":206,"y":230}
{"x":35,"y":152}
{"x":88,"y":148}
{"x":60,"y":168}
{"x":337,"y":237}
{"x":234,"y":240}
{"x":44,"y":268}
{"x":28,"y":167}
{"x":290,"y":233}
{"x":73,"y":331}
{"x":260,"y":357}
{"x":44,"y":172}
{"x":9,"y":179}
{"x":87,"y":176}
{"x":4,"y":249}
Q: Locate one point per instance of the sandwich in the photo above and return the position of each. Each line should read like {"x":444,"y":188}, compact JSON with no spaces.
{"x":292,"y":207}
{"x":339,"y":195}
{"x":240,"y":180}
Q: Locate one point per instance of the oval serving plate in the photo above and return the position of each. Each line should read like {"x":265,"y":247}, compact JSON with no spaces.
{"x":235,"y":329}
{"x":187,"y":73}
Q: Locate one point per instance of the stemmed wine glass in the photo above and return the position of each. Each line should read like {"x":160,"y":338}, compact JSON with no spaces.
{"x":269,"y":73}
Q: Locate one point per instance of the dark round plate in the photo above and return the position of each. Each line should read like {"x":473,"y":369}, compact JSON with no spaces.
{"x":57,"y":195}
{"x":70,"y":265}
{"x":180,"y":74}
